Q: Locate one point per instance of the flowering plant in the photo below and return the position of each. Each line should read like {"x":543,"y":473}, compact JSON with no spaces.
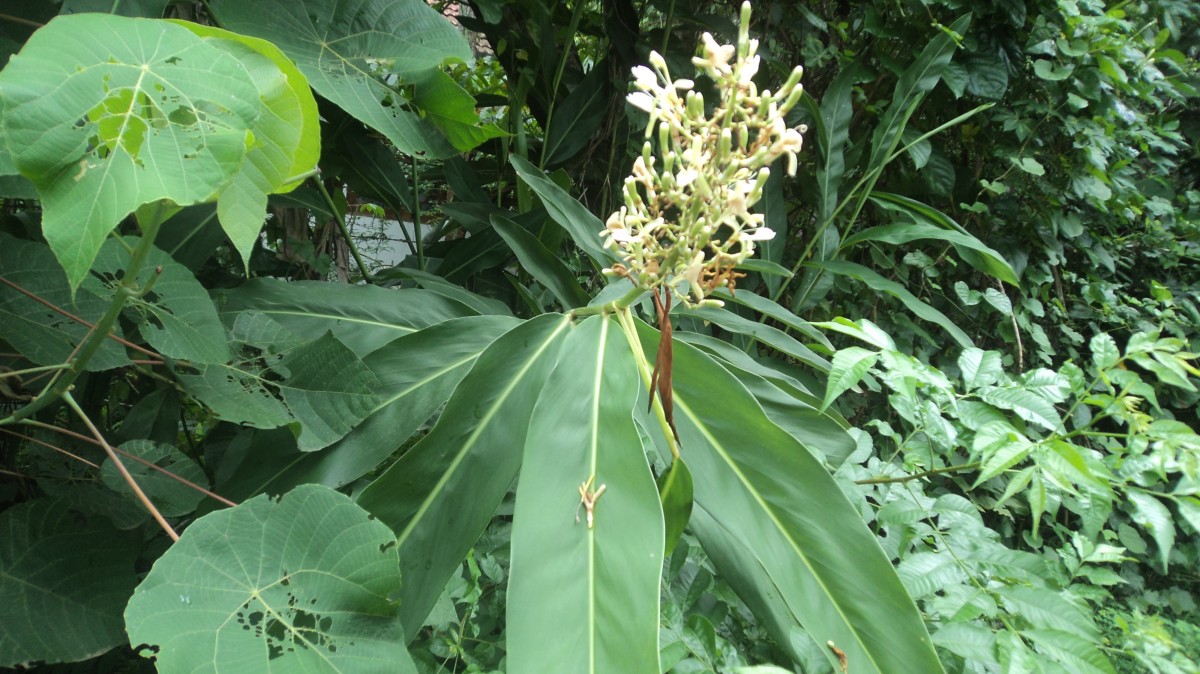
{"x":686,"y":223}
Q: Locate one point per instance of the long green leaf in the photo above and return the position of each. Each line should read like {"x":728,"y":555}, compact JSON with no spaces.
{"x":348,"y":49}
{"x":875,"y":281}
{"x":837,"y":108}
{"x":772,"y":337}
{"x":541,"y":263}
{"x":915,"y":82}
{"x":931,"y":223}
{"x":769,"y":495}
{"x":577,"y":220}
{"x":440,"y":495}
{"x":362,"y":317}
{"x":583,"y":594}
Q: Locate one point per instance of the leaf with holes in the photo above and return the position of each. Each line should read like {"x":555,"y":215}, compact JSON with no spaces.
{"x":38,"y":332}
{"x":175,"y":316}
{"x":302,"y":583}
{"x":105,"y":114}
{"x":63,"y":580}
{"x":355,"y":53}
{"x":318,"y":388}
{"x":287,"y":139}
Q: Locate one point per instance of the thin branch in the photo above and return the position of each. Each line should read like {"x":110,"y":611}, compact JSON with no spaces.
{"x":16,"y":475}
{"x":137,"y":459}
{"x":21,"y":20}
{"x":77,"y":319}
{"x":43,"y":443}
{"x":112,"y":455}
{"x":917,"y":476}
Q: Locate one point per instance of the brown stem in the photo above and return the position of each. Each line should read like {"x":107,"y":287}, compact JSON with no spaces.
{"x":43,"y":443}
{"x":137,"y":459}
{"x":112,"y":455}
{"x":77,"y":319}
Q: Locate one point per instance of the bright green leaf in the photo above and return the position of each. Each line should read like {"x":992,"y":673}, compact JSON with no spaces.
{"x":105,"y":114}
{"x":849,"y":366}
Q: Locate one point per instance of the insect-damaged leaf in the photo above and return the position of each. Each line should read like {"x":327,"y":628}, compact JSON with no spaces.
{"x":300,"y":583}
{"x":105,"y":114}
{"x":318,"y":387}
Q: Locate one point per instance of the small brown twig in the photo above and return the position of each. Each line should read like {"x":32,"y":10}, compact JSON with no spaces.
{"x":53,"y":307}
{"x":60,"y":450}
{"x":137,"y":459}
{"x":112,"y":455}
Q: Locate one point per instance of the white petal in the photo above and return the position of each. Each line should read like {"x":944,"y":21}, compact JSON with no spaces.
{"x":641,"y":100}
{"x":760,"y":234}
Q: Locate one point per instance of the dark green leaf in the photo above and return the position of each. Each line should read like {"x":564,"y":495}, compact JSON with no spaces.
{"x":541,"y":263}
{"x":577,"y":220}
{"x":441,"y":494}
{"x":63,"y":582}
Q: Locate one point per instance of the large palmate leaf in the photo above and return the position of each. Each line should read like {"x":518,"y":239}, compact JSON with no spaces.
{"x":352,"y":51}
{"x":317,"y":387}
{"x":297,"y":584}
{"x":773,"y":503}
{"x":176,"y":316}
{"x":39,"y":333}
{"x":286,"y":136}
{"x":63,"y":582}
{"x":583,"y":595}
{"x":361,"y":317}
{"x":441,"y":494}
{"x":416,"y":372}
{"x":105,"y":113}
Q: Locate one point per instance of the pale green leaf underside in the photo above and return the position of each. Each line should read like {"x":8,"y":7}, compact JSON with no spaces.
{"x":296,"y":584}
{"x":347,"y":50}
{"x":105,"y":113}
{"x":585,"y":598}
{"x":287,"y":135}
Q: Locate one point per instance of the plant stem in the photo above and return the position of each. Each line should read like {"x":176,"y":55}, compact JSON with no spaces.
{"x":625,"y":318}
{"x":916,"y":476}
{"x":61,"y":383}
{"x":416,"y":213}
{"x":616,"y":306}
{"x":341,"y":223}
{"x":112,"y":455}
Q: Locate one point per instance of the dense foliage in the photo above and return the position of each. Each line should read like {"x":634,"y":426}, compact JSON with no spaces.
{"x":944,"y":419}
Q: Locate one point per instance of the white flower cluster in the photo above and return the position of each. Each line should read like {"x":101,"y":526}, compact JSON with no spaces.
{"x":686,"y":222}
